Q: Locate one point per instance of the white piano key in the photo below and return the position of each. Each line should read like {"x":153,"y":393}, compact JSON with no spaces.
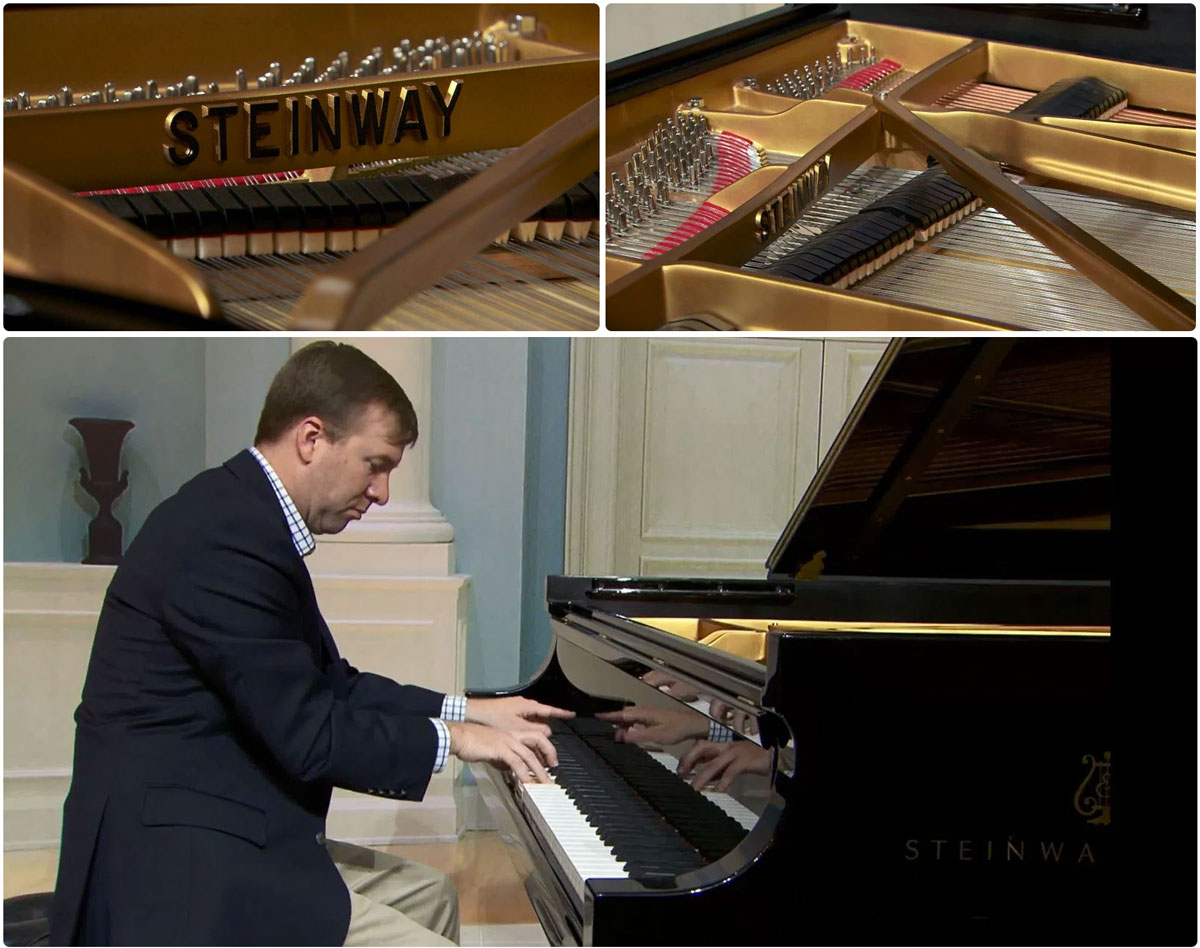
{"x":365,"y":237}
{"x":262,"y":242}
{"x":208,"y":247}
{"x":576,"y":845}
{"x":288,"y":241}
{"x":339,"y":240}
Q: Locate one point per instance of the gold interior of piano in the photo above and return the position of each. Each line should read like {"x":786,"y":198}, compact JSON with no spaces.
{"x":704,"y":275}
{"x":747,"y":638}
{"x":504,"y":104}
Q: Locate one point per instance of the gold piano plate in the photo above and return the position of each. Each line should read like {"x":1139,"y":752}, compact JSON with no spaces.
{"x":996,"y":77}
{"x":748,"y":638}
{"x":1081,"y":224}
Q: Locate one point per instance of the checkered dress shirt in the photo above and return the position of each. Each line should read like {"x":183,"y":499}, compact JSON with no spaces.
{"x":454,"y":707}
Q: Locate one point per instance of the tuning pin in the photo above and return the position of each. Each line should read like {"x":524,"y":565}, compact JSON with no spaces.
{"x":504,"y":51}
{"x":110,"y":92}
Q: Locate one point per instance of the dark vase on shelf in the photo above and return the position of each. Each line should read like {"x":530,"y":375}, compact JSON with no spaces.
{"x":102,"y":440}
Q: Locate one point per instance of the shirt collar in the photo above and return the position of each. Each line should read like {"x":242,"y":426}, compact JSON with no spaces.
{"x":301,"y":536}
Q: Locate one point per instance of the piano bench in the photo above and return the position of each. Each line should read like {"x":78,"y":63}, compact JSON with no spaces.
{"x":27,"y":919}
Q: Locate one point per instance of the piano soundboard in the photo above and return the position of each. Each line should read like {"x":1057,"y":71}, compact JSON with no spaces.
{"x":774,"y":187}
{"x":390,"y":167}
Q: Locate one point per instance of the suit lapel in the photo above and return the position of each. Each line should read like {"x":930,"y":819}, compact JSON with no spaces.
{"x":316,"y":632}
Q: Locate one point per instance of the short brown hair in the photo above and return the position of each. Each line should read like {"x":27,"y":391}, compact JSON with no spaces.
{"x":336,"y":383}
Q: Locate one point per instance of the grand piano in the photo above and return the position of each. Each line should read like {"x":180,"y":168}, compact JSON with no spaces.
{"x":919,"y":696}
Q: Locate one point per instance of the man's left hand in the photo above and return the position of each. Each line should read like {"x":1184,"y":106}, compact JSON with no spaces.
{"x":514,"y":714}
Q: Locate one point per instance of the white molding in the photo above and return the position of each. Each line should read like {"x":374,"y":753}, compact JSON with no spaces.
{"x":592,"y":456}
{"x":717,"y":566}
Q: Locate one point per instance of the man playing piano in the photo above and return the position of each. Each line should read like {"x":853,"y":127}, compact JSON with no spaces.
{"x":217,"y":715}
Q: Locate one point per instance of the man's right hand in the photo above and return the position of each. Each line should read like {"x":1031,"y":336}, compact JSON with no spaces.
{"x":521,"y":751}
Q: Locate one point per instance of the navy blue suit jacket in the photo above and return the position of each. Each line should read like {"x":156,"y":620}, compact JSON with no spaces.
{"x":216,"y":718}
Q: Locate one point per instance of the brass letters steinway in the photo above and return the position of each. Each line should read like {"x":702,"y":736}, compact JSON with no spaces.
{"x":312,"y":124}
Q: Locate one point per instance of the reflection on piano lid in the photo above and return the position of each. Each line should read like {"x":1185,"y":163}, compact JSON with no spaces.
{"x":1080,"y":172}
{"x":391,"y":167}
{"x":896,"y":739}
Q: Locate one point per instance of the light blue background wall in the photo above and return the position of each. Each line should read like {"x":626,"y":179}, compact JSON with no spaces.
{"x":545,"y":491}
{"x":156,"y":383}
{"x":498,"y":474}
{"x":498,"y":447}
{"x":237,"y":374}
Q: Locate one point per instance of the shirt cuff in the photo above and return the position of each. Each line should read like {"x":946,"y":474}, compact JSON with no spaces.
{"x":454,"y":708}
{"x":443,"y":747}
{"x":719,"y":733}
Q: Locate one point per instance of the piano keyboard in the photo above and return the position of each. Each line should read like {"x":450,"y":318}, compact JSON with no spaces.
{"x":616,"y":811}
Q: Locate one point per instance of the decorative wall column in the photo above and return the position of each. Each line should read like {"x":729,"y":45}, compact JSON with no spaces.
{"x":409,"y":534}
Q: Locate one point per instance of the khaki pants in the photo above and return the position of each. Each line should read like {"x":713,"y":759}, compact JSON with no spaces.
{"x":394,"y":901}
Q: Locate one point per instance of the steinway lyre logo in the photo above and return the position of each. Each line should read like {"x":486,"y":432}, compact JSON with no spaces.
{"x":1093,"y":799}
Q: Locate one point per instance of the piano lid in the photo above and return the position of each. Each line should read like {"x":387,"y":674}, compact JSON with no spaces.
{"x":966,"y":458}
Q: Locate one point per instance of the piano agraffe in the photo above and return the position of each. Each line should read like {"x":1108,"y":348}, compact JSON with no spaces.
{"x":750,"y":173}
{"x":298,"y":166}
{"x":910,"y":719}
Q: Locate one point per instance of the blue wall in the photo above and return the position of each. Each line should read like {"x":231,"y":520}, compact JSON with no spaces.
{"x":545,"y":491}
{"x":498,"y":448}
{"x":156,"y":383}
{"x":498,"y":474}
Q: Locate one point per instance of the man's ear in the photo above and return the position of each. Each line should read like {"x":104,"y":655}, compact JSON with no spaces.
{"x":308,"y":433}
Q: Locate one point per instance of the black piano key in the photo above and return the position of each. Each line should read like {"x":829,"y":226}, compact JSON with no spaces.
{"x":154,"y":218}
{"x":211,"y":220}
{"x":395,"y":208}
{"x":343,"y":215}
{"x":236,"y":214}
{"x":118,"y":205}
{"x":367,"y":209}
{"x":406,"y":190}
{"x":185,"y":222}
{"x":263,"y":214}
{"x":288,"y":215}
{"x":314,"y":213}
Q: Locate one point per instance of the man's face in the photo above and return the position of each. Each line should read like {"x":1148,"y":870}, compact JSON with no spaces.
{"x":350,"y":474}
